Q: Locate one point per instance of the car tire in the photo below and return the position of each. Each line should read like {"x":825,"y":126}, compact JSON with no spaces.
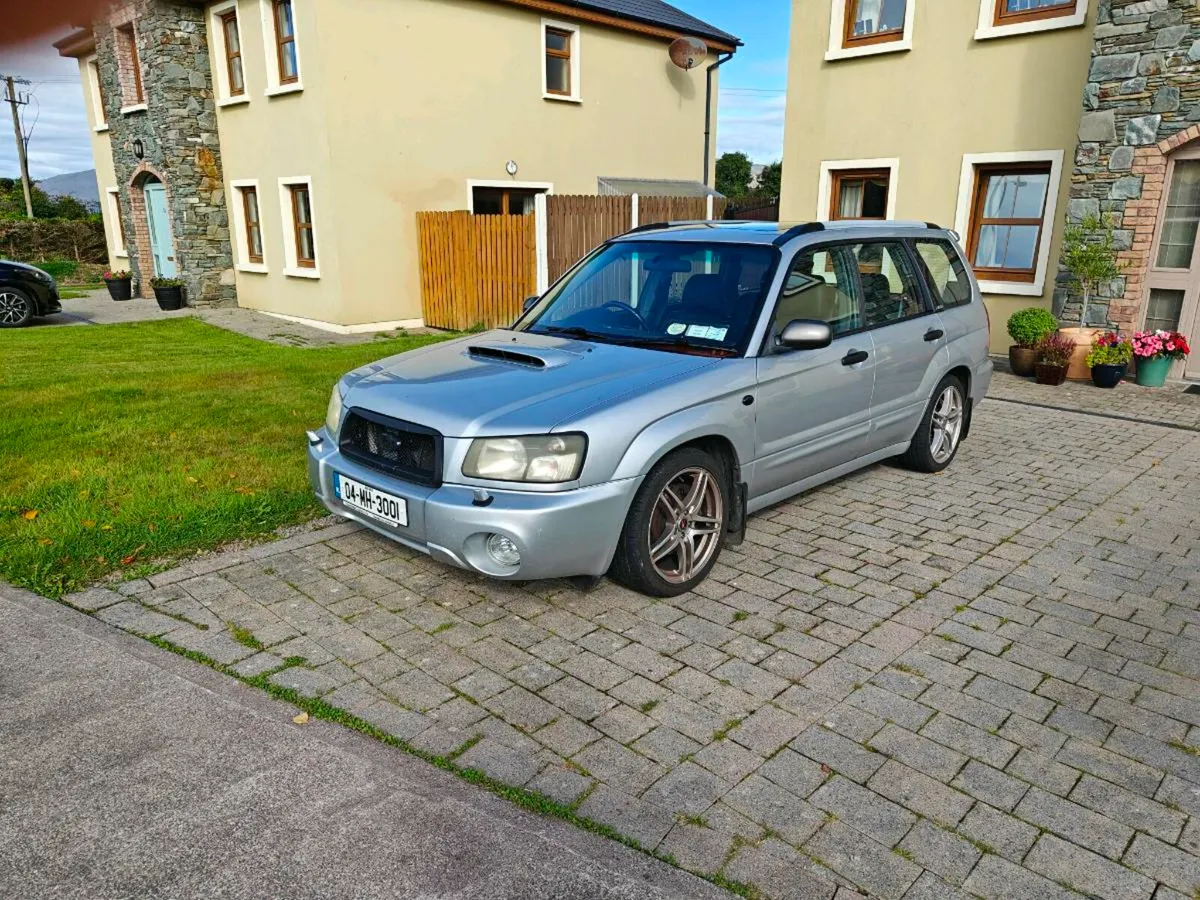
{"x":16,"y":308}
{"x":676,"y":524}
{"x":940,"y":433}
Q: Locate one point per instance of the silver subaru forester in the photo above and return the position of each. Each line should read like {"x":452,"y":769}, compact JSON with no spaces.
{"x":677,"y":379}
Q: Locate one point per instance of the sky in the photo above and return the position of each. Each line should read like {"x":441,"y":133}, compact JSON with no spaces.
{"x":751,"y":91}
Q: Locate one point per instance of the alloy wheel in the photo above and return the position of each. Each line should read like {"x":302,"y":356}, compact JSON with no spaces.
{"x":945,"y":429}
{"x":686,"y":525}
{"x":13,"y":308}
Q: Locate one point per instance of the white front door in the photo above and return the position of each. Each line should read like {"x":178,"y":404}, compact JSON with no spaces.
{"x":158,"y":221}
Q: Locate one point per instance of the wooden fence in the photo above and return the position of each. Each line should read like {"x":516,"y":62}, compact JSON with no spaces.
{"x":478,"y":269}
{"x":475,"y":270}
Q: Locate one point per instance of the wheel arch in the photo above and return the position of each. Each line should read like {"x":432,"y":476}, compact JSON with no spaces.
{"x":963,"y":374}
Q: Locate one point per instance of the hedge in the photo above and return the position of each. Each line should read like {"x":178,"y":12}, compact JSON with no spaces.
{"x":38,"y":240}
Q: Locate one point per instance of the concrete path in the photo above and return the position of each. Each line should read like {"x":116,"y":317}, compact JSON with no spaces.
{"x":126,"y":771}
{"x":99,"y":309}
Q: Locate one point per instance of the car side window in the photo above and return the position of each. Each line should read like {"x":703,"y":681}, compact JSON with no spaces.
{"x":821,"y":284}
{"x":890,"y":288}
{"x":945,"y":272}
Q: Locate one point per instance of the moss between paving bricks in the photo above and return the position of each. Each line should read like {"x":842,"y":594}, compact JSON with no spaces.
{"x":530,"y":800}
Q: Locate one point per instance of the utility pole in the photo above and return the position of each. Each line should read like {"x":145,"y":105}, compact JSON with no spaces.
{"x":16,"y":101}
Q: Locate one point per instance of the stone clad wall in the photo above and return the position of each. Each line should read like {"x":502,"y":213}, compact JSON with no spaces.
{"x":1143,"y":90}
{"x":178,"y":133}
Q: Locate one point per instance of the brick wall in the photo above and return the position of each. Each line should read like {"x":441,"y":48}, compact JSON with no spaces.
{"x":177,"y":139}
{"x":1142,"y":100}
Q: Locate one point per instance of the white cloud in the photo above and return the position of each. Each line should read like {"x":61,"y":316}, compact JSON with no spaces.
{"x":752,"y":123}
{"x":61,"y":140}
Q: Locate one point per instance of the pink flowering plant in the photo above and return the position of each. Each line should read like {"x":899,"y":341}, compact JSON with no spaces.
{"x":1154,"y":344}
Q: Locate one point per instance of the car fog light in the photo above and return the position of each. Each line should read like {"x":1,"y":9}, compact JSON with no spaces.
{"x":503,"y":550}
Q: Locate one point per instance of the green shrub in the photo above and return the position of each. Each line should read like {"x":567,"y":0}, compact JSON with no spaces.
{"x":59,"y":269}
{"x":1028,"y":326}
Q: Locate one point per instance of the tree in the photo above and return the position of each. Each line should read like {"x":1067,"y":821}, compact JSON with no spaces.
{"x":733,"y":174}
{"x":1089,"y":256}
{"x":770,"y":181}
{"x":12,"y":203}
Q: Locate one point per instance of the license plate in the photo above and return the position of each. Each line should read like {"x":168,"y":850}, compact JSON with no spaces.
{"x":372,"y":501}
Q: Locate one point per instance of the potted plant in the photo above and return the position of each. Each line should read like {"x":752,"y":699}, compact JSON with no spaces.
{"x":1026,"y":327}
{"x":1108,"y":359}
{"x":119,"y":284}
{"x":168,"y":292}
{"x":1090,"y":258}
{"x":1155,"y":351}
{"x":1054,"y":353}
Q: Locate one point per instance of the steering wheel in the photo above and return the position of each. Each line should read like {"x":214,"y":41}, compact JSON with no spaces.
{"x":628,"y":311}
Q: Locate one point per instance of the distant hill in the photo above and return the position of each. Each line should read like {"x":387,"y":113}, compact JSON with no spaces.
{"x":80,"y":185}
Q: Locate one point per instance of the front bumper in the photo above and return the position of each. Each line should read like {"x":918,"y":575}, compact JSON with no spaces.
{"x":45,"y":298}
{"x":558,"y":534}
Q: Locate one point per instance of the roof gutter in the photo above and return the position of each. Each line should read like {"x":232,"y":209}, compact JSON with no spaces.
{"x":708,"y":75}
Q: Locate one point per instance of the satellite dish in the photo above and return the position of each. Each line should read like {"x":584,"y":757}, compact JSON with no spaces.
{"x":687,"y":52}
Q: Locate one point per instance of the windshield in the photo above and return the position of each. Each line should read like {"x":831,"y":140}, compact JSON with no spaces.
{"x":682,"y":296}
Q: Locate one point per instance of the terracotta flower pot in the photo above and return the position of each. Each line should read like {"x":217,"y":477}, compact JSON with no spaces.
{"x":1022,"y":360}
{"x":1078,"y":369}
{"x":1049,"y":374}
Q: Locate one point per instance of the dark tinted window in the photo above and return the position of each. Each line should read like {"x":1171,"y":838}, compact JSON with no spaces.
{"x":944,"y":270}
{"x":890,"y":289}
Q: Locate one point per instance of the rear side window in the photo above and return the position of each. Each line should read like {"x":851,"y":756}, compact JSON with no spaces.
{"x":947,"y":277}
{"x":890,"y":289}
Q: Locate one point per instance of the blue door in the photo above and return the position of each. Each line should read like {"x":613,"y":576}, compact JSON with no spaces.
{"x":159,"y":224}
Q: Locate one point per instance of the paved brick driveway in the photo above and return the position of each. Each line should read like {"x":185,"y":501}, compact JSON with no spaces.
{"x":980,"y":683}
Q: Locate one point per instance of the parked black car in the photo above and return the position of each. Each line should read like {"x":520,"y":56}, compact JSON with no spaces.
{"x":25,"y":292}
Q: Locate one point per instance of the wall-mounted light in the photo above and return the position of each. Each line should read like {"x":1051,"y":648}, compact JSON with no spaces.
{"x":139,"y":149}
{"x":511,"y":168}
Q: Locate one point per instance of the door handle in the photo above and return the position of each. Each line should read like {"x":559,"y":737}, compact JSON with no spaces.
{"x":934,"y":334}
{"x":854,"y":357}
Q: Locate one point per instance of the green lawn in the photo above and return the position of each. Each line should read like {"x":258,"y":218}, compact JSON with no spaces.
{"x":122,"y":444}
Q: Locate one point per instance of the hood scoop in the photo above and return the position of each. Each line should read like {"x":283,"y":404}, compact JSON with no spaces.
{"x":528,"y":357}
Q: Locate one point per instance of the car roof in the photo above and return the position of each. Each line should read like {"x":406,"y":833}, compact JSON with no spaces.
{"x":776,"y":233}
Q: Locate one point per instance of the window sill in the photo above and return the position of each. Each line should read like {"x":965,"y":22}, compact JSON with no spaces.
{"x":121,"y":253}
{"x":281,"y":89}
{"x":100,"y":129}
{"x":234,"y":101}
{"x":134,"y":108}
{"x":302,"y":273}
{"x":1016,"y":288}
{"x":869,"y":50}
{"x":253,"y":268}
{"x":987,"y":32}
{"x":561,"y":98}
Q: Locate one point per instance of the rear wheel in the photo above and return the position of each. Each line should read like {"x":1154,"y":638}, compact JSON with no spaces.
{"x":16,"y":308}
{"x":672,"y":536}
{"x":936,"y":442}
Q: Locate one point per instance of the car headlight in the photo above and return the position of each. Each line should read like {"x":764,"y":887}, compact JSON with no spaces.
{"x":333,"y":415}
{"x":543,"y":458}
{"x":43,"y":276}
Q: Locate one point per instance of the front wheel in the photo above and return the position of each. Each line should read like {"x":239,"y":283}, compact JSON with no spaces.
{"x":672,"y":536}
{"x":936,"y":442}
{"x":16,"y":308}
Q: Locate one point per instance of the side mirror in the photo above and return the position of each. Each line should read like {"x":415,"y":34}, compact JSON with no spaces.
{"x":806,"y":334}
{"x":528,"y":304}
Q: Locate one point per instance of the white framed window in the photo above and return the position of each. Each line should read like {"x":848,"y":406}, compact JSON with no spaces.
{"x":1003,"y":18}
{"x":513,"y":198}
{"x":869,"y":27}
{"x":96,"y":94}
{"x":116,"y":228}
{"x":858,"y":189}
{"x":246,"y":212}
{"x":282,"y":44}
{"x":229,"y":69}
{"x":561,"y":61}
{"x":1006,"y":216}
{"x":298,"y":214}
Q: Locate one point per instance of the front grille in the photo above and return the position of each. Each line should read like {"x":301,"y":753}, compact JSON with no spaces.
{"x":408,"y":451}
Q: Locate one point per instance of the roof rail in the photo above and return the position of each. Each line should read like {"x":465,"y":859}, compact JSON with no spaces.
{"x":798,"y":231}
{"x":649,"y":226}
{"x":933,"y":225}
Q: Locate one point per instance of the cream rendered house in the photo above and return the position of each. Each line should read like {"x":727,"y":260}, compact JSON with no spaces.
{"x":292,"y":142}
{"x":966,"y":113}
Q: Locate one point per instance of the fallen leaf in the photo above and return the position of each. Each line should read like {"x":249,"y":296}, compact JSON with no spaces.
{"x":76,"y":473}
{"x":30,"y":514}
{"x":192,"y":479}
{"x":152,"y":528}
{"x":128,"y":560}
{"x":825,"y":770}
{"x":83,"y":494}
{"x":1157,"y":462}
{"x":45,"y":542}
{"x":106,"y":528}
{"x":301,"y":719}
{"x":88,"y":523}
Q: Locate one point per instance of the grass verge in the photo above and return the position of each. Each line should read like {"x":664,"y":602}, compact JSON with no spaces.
{"x":121,"y":444}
